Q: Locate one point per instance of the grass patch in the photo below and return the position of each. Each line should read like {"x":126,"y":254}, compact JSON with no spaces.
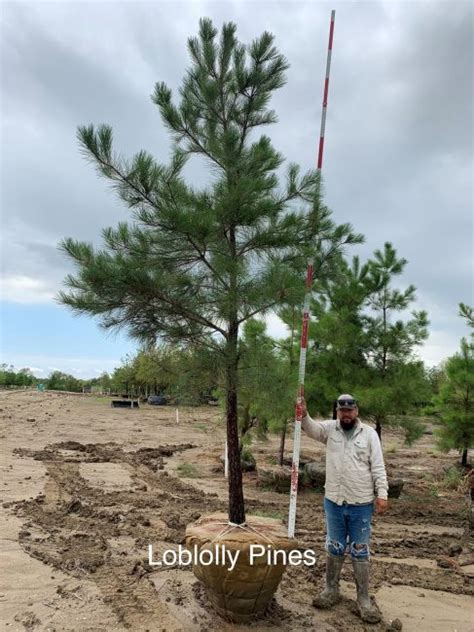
{"x":391,"y":448}
{"x":201,"y":427}
{"x":246,"y":455}
{"x":187,"y":470}
{"x":452,"y":478}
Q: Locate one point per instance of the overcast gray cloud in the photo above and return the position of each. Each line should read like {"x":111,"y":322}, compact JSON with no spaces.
{"x":398,"y":161}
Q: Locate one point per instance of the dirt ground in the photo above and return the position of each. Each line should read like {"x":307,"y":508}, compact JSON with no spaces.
{"x":85,"y":488}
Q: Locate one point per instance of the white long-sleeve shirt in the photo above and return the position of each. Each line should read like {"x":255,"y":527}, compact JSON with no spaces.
{"x":355,"y":469}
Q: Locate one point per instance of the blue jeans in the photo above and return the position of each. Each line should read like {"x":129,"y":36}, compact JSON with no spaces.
{"x":348,"y":526}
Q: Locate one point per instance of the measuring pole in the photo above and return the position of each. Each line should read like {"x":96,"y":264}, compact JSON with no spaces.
{"x":306,"y":314}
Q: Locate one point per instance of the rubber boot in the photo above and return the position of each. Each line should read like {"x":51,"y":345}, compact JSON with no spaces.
{"x":330,"y":595}
{"x":368,"y":609}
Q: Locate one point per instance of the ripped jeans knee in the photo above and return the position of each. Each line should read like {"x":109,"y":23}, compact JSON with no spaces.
{"x":334,"y":547}
{"x":359,"y":551}
{"x":348,"y":527}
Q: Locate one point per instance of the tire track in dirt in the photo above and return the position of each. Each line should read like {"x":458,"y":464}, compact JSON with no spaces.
{"x":72,"y":525}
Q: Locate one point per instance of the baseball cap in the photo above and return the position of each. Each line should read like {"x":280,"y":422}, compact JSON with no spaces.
{"x":346,"y":401}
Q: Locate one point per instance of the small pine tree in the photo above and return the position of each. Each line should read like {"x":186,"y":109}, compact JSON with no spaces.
{"x":267,"y":382}
{"x":338,"y":337}
{"x":455,"y":402}
{"x":362,"y":349}
{"x":388,"y":341}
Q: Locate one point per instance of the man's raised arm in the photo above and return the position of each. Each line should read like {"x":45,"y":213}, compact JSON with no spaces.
{"x":315,"y":429}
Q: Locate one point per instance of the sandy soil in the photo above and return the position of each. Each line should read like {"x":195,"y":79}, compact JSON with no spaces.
{"x":85,"y":488}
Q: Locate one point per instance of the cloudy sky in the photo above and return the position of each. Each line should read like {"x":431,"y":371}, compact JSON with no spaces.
{"x":398,"y":156}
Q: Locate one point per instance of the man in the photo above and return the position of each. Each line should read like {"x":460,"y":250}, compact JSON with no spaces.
{"x":354,"y":469}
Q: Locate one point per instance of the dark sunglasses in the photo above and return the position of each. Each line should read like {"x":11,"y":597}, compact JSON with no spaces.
{"x":346,"y":403}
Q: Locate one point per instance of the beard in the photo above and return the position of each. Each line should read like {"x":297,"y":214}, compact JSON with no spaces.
{"x":348,"y":424}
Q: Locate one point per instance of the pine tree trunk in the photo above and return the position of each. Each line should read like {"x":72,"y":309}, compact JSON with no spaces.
{"x":282,"y":444}
{"x":464,"y":457}
{"x":236,"y":494}
{"x":378,"y":429}
{"x":245,"y":425}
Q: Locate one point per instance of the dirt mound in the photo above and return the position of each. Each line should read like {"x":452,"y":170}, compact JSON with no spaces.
{"x":74,"y":452}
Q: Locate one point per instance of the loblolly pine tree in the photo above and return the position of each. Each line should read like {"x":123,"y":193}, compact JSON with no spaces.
{"x":195,"y":264}
{"x":267,"y":381}
{"x":361,"y":348}
{"x":289,"y":349}
{"x":455,"y":402}
{"x":391,"y":341}
{"x":396,"y":381}
{"x":257,"y":374}
{"x":339,"y":364}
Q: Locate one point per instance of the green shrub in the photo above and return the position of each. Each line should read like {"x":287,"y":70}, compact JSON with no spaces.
{"x":452,"y":478}
{"x":187,"y":470}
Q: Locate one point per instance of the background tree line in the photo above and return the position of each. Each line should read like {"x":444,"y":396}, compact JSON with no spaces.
{"x":359,"y":344}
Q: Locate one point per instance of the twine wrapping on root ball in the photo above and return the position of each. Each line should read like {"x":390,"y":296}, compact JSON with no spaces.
{"x":240,"y":593}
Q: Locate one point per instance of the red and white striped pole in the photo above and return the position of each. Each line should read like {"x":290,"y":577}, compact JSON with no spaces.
{"x":306,"y":315}
{"x":325,"y":95}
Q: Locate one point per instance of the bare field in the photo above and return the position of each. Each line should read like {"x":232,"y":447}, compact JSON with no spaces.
{"x":85,"y":488}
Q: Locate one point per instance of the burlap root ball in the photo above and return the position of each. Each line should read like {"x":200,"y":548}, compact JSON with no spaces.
{"x":245,"y":591}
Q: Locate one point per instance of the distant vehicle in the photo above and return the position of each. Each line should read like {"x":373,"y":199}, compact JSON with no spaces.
{"x":157,"y":400}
